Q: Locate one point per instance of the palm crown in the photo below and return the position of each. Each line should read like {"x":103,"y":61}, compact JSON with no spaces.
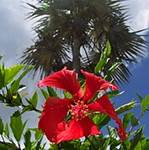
{"x":73,"y":33}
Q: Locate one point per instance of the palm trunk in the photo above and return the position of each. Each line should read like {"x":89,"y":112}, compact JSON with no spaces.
{"x":76,"y":54}
{"x":76,"y":42}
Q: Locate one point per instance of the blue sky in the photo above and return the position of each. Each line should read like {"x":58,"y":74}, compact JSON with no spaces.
{"x":16,"y":34}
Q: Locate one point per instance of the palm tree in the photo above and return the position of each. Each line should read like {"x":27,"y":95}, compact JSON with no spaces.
{"x":73,"y":33}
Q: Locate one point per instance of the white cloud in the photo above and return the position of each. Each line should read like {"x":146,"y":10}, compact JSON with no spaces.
{"x":15,"y":31}
{"x":139,"y":14}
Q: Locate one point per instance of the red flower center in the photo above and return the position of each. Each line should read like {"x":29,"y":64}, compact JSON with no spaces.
{"x":79,"y":110}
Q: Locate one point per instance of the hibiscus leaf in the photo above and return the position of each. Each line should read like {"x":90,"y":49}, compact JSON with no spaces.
{"x":101,"y":119}
{"x":51,"y":92}
{"x":48,"y":92}
{"x":67,"y":95}
{"x":7,"y":146}
{"x":112,"y":94}
{"x":44,"y":93}
{"x":106,"y":144}
{"x":136,"y":138}
{"x":15,"y":85}
{"x":85,"y":145}
{"x":134,"y":121}
{"x":146,"y":144}
{"x":38,"y":133}
{"x":144,"y":104}
{"x":17,"y":125}
{"x":1,"y":126}
{"x":6,"y":130}
{"x":73,"y":145}
{"x":34,"y":99}
{"x":103,"y":58}
{"x":11,"y":72}
{"x":27,"y":142}
{"x":127,"y":119}
{"x":126,"y":107}
{"x":2,"y":77}
{"x":112,"y":132}
{"x":53,"y":147}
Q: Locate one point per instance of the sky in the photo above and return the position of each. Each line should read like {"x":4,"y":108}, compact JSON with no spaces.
{"x":16,"y":35}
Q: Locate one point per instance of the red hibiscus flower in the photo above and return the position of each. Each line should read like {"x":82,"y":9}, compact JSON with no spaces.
{"x":53,"y":121}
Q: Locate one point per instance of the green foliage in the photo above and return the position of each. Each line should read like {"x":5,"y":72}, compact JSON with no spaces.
{"x":1,"y":126}
{"x":17,"y":126}
{"x":95,"y":23}
{"x":33,"y":139}
{"x":8,"y":74}
{"x":16,"y":83}
{"x":7,"y":146}
{"x":126,"y":107}
{"x":10,"y":84}
{"x":48,"y":92}
{"x":27,"y":138}
{"x":11,"y":72}
{"x":130,"y":118}
{"x":144,"y":103}
{"x":102,"y":120}
{"x":104,"y":57}
{"x":136,"y":139}
{"x":6,"y":130}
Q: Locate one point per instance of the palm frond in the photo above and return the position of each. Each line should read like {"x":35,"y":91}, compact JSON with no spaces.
{"x":96,"y":22}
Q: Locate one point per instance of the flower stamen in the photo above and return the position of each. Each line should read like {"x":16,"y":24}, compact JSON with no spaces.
{"x":78,"y":110}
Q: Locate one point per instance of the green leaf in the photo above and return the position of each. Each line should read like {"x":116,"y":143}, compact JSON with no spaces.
{"x":2,"y":79}
{"x":34,"y":99}
{"x":134,"y":121}
{"x":106,"y":144}
{"x":16,"y":83}
{"x":103,"y":58}
{"x":6,"y":130}
{"x":101,"y":119}
{"x":112,"y":94}
{"x":146,"y":145}
{"x":44,"y":93}
{"x":51,"y":92}
{"x":112,"y":132}
{"x":127,"y":119}
{"x":85,"y":145}
{"x":11,"y":72}
{"x":27,"y":138}
{"x":112,"y":69}
{"x":7,"y":146}
{"x":1,"y":126}
{"x":138,"y":146}
{"x":126,"y":107}
{"x":130,"y":118}
{"x":67,"y":95}
{"x":53,"y":147}
{"x":17,"y":125}
{"x":145,"y":104}
{"x":136,"y":139}
{"x":38,"y":133}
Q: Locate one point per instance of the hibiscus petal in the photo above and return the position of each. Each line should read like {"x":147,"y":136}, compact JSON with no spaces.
{"x":64,"y":79}
{"x":78,"y":129}
{"x":104,"y":105}
{"x":52,"y":116}
{"x":94,"y":84}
